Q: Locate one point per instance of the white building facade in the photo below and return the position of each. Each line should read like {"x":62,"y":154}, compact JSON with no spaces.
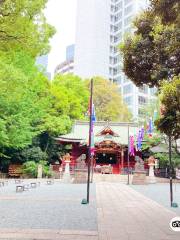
{"x":66,"y":67}
{"x":101,"y":26}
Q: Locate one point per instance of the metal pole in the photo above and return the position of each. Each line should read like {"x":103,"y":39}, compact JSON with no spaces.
{"x":128,"y":156}
{"x":90,"y":135}
{"x":170,"y":171}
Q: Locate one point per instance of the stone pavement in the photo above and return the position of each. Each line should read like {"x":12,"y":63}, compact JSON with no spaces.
{"x":126,"y":214}
{"x":55,"y":213}
{"x":47,"y":212}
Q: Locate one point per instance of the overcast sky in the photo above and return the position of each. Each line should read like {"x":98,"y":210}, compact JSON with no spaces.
{"x":62,"y":15}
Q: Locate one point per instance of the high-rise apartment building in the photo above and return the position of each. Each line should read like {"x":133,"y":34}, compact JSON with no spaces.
{"x":68,"y":65}
{"x":42,"y":63}
{"x":101,"y":27}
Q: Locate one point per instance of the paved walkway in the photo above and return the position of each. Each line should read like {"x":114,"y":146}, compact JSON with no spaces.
{"x":126,"y":214}
{"x":123,"y":214}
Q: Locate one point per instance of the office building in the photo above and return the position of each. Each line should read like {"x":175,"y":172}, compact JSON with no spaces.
{"x":101,"y":27}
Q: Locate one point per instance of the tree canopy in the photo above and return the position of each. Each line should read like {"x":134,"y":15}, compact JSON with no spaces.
{"x":108,"y":101}
{"x":23,"y":26}
{"x":23,"y":100}
{"x":152,"y":56}
{"x":69,"y":101}
{"x":169,"y":122}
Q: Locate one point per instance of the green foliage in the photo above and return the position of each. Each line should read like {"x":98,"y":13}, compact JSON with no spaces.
{"x":23,"y":26}
{"x":151,"y":141}
{"x":152,"y":54}
{"x":108,"y":101}
{"x":164,"y":159}
{"x":169,"y":121}
{"x":30,"y":168}
{"x":23,"y":101}
{"x":32,"y":154}
{"x":69,"y":101}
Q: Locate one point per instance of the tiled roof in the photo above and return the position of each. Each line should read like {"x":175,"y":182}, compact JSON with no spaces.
{"x":80,"y":132}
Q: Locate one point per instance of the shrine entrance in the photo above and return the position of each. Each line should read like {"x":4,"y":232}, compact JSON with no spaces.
{"x":106,"y":158}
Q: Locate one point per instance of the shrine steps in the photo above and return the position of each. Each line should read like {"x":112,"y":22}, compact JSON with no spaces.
{"x":111,"y":178}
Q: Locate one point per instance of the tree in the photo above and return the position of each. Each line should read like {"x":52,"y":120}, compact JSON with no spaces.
{"x":69,"y":101}
{"x":169,"y":121}
{"x":152,"y":56}
{"x":23,"y":100}
{"x":108,"y":101}
{"x":23,"y":26}
{"x":152,"y":53}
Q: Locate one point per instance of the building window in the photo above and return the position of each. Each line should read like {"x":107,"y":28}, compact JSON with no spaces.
{"x":142,"y":100}
{"x":143,"y":89}
{"x":153,"y":91}
{"x":118,"y":6}
{"x":141,"y":112}
{"x":117,"y":80}
{"x":126,"y":2}
{"x":128,"y":30}
{"x":128,"y":9}
{"x":128,"y":20}
{"x":118,"y":16}
{"x":127,"y":89}
{"x":126,"y":79}
{"x":128,"y":100}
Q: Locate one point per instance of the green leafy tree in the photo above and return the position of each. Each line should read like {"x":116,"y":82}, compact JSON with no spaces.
{"x":152,"y":56}
{"x":23,"y":101}
{"x":108,"y":101}
{"x":169,"y":121}
{"x":152,"y":53}
{"x":23,"y":26}
{"x":69,"y":101}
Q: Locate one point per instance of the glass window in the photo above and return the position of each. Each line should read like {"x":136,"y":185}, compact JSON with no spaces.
{"x":141,"y":112}
{"x":128,"y":20}
{"x":143,"y":89}
{"x":127,"y":89}
{"x":153,"y":91}
{"x":126,"y":79}
{"x":118,"y":6}
{"x":127,"y":1}
{"x":128,"y":100}
{"x":142,"y":100}
{"x":128,"y":9}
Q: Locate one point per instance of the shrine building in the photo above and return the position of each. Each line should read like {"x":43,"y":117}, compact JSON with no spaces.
{"x":110,"y":142}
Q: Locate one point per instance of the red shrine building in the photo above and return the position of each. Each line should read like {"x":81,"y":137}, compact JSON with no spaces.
{"x":110,"y":141}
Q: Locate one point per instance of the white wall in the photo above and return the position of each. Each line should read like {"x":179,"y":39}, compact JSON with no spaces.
{"x":92,"y":38}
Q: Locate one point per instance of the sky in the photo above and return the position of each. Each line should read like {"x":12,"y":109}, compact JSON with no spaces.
{"x":62,"y":15}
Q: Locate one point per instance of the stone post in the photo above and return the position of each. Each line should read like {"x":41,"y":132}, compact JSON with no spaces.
{"x":39,"y":175}
{"x":66,"y":175}
{"x":151,"y":164}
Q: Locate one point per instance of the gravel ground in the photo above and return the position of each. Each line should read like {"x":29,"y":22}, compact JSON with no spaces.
{"x":160,"y":193}
{"x":56,"y":206}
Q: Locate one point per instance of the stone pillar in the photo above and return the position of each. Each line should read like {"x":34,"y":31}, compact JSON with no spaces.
{"x":151,"y":178}
{"x":66,"y":175}
{"x":39,"y":175}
